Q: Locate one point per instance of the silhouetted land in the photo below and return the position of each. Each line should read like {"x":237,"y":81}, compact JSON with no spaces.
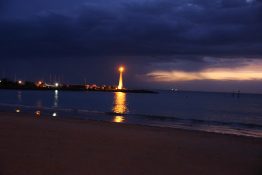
{"x":27,"y":85}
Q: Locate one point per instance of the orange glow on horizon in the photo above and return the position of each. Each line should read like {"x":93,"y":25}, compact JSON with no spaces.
{"x":246,"y":73}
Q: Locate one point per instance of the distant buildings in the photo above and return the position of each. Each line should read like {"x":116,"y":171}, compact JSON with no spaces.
{"x":41,"y":85}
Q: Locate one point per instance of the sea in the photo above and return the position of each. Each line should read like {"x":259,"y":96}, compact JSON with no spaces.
{"x":224,"y":113}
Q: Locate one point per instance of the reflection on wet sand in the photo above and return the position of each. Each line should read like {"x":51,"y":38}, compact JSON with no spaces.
{"x":37,"y":113}
{"x":120,"y":106}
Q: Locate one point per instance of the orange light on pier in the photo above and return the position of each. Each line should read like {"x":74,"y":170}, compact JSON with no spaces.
{"x":120,"y":84}
{"x":39,"y":83}
{"x":121,"y":69}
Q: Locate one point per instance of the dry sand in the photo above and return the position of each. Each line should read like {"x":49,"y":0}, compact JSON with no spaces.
{"x":30,"y":146}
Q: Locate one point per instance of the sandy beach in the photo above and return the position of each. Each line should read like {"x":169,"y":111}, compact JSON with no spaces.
{"x":42,"y":146}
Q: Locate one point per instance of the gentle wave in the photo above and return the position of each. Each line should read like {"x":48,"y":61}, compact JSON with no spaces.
{"x":235,"y":128}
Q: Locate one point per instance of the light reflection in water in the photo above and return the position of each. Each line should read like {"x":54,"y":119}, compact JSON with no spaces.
{"x":19,"y":100}
{"x":56,"y":98}
{"x":120,"y":106}
{"x":39,"y":104}
{"x":19,"y":97}
{"x":118,"y":119}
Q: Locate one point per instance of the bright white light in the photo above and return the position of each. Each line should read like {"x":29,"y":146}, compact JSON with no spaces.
{"x":20,"y":82}
{"x":54,"y":114}
{"x":56,"y":84}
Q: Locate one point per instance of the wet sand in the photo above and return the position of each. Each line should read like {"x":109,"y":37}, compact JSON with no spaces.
{"x":31,"y":146}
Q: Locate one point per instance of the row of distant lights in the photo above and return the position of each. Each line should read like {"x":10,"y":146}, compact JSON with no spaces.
{"x":39,"y":82}
{"x":56,"y":84}
{"x":37,"y":113}
{"x":19,"y":82}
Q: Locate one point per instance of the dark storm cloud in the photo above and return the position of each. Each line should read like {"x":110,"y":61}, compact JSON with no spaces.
{"x":131,"y":28}
{"x":78,"y":39}
{"x":194,"y":64}
{"x":3,"y":4}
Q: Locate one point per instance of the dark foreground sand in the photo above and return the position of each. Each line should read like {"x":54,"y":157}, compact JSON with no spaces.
{"x":30,"y":146}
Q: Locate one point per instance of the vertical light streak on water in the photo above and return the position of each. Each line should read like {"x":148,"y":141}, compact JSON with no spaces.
{"x":119,"y":106}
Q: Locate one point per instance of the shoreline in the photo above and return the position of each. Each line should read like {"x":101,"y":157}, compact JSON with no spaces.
{"x":66,"y":146}
{"x":109,"y":117}
{"x":29,"y":115}
{"x":143,"y":91}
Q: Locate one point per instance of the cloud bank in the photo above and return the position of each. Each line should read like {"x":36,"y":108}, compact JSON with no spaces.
{"x":150,"y":36}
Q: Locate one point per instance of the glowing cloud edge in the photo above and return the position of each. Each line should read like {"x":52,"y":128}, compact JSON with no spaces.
{"x":216,"y":74}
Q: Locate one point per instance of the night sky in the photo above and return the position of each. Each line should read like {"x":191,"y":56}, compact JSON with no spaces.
{"x":211,"y":45}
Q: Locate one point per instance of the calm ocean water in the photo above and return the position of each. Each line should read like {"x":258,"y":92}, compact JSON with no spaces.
{"x":212,"y":112}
